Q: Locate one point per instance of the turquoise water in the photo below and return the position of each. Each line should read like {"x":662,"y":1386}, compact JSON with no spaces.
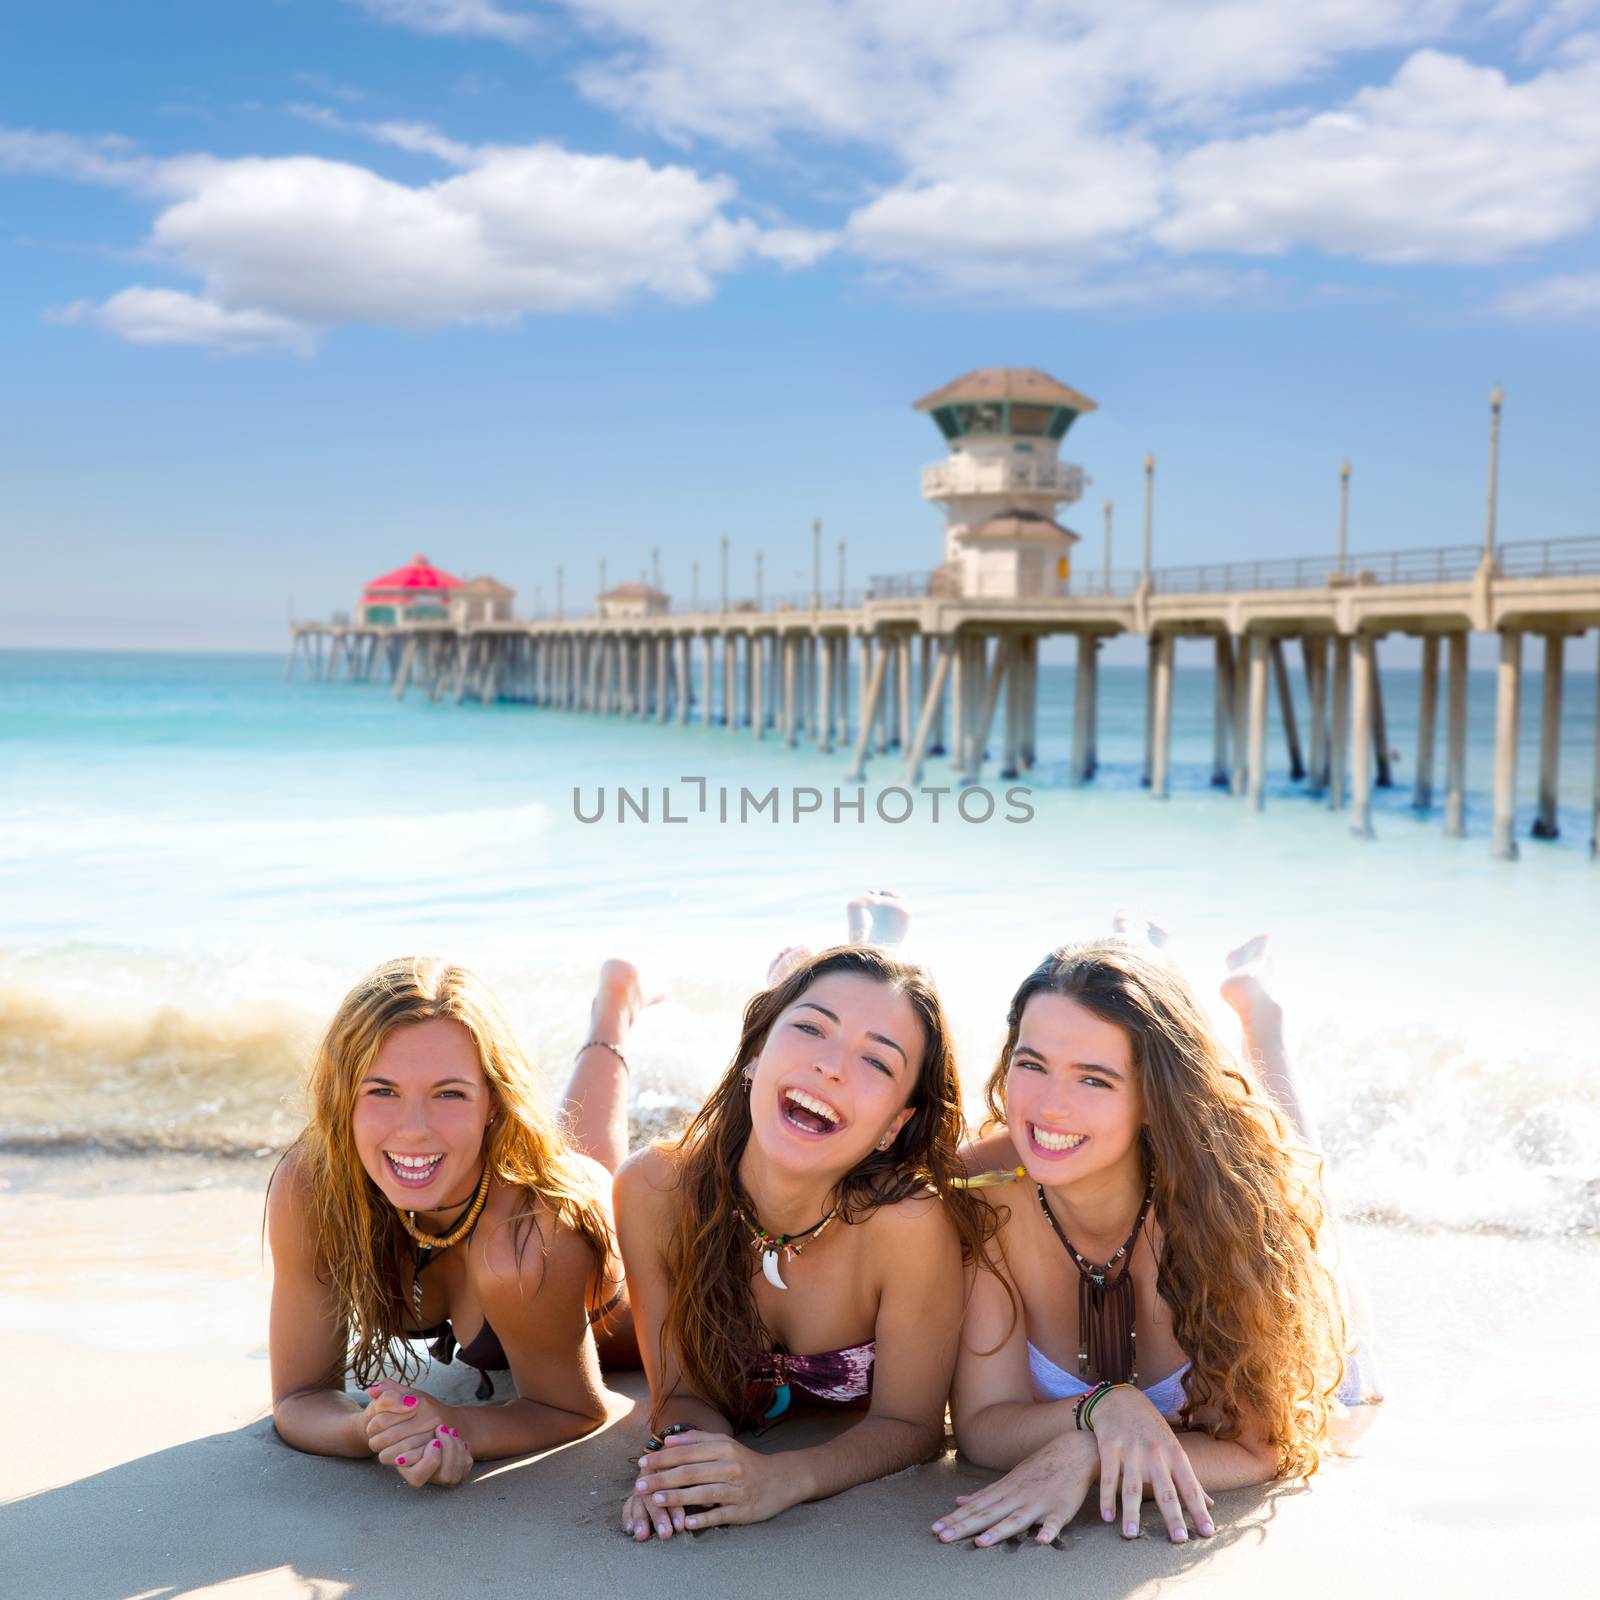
{"x":197,"y":858}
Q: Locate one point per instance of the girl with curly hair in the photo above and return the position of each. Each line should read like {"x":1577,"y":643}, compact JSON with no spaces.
{"x":1166,"y":1319}
{"x":432,"y":1195}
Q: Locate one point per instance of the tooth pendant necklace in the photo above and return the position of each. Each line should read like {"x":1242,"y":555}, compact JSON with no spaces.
{"x":770,"y":1246}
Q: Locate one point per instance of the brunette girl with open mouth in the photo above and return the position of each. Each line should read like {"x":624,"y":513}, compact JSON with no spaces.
{"x":802,"y":1243}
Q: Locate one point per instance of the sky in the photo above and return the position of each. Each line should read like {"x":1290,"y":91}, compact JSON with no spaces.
{"x":293,"y":289}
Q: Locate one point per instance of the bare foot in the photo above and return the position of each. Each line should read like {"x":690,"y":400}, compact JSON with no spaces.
{"x":1139,"y":929}
{"x":786,"y":961}
{"x":621,"y":993}
{"x":878,"y":917}
{"x":1245,"y":986}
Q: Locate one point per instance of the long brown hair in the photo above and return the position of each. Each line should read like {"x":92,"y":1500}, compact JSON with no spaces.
{"x":712,"y":1322}
{"x":361,"y":1243}
{"x":1254,"y":1306}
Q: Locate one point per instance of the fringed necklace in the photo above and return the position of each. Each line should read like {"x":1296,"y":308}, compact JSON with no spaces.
{"x":1106,"y":1336}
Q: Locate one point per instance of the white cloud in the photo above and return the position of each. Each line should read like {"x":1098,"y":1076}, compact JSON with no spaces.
{"x":1573,"y":297}
{"x":166,"y":316}
{"x":482,"y":18}
{"x":1449,"y":162}
{"x":285,"y":247}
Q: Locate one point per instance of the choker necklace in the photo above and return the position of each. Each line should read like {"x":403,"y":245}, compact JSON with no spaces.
{"x":432,"y":1243}
{"x":1106,"y":1336}
{"x":770,"y":1245}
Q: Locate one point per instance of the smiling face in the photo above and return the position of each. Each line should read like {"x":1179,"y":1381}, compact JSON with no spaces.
{"x":1072,"y":1095}
{"x":420,"y":1114}
{"x":835,"y":1075}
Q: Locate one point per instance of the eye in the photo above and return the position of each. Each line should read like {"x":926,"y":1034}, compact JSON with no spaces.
{"x":1099,"y":1083}
{"x":1026,"y":1064}
{"x":882,"y":1066}
{"x":809,"y":1027}
{"x":381,"y":1088}
{"x":452,"y":1094}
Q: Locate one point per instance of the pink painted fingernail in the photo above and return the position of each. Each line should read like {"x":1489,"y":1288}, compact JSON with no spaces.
{"x":411,"y":1399}
{"x":434,"y":1444}
{"x":400,"y":1461}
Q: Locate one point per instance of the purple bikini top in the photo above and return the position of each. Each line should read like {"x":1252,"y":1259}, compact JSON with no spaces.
{"x":835,"y":1377}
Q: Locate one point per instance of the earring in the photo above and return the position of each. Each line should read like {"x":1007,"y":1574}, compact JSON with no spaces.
{"x":744,"y":1081}
{"x":885,"y":1142}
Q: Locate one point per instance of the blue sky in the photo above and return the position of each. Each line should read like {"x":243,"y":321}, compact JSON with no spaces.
{"x":293,"y":289}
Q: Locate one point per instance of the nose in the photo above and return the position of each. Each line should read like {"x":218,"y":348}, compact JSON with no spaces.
{"x":829,"y":1064}
{"x":413,"y":1123}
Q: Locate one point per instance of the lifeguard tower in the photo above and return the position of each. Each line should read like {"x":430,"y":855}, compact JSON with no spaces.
{"x":1002,"y":482}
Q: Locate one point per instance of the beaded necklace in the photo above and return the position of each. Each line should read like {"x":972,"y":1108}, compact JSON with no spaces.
{"x":769,"y":1246}
{"x":432,"y":1244}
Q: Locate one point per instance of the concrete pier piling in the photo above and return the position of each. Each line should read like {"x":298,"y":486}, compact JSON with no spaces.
{"x":1508,"y":700}
{"x":1256,"y":781}
{"x":1546,"y":824}
{"x":1221,"y":710}
{"x":1362,"y":708}
{"x":1427,"y":719}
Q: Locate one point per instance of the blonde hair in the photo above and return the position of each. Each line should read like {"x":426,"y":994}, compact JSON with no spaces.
{"x":1254,"y":1305}
{"x":361,"y":1242}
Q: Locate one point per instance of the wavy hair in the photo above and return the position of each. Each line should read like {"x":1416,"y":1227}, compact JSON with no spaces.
{"x":1254,"y":1305}
{"x":362,"y":1246}
{"x":712,"y":1321}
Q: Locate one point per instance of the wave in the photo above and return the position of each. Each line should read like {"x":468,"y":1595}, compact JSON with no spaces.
{"x":142,"y":1052}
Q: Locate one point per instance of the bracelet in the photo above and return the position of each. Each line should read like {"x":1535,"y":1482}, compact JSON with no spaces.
{"x":656,"y":1440}
{"x":1093,"y":1398}
{"x":606,"y":1044}
{"x":1083,"y":1401}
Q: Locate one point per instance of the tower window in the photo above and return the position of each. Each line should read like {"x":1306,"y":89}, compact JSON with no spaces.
{"x":1029,"y":419}
{"x":945,"y":416}
{"x":982,"y":417}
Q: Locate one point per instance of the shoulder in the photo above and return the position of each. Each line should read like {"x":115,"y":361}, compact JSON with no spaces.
{"x":915,"y":1226}
{"x":290,"y":1214}
{"x":646,"y":1182}
{"x":526,"y":1243}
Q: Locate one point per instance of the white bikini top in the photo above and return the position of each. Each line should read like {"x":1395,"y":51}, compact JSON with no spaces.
{"x":1051,"y":1382}
{"x":1357,"y":1386}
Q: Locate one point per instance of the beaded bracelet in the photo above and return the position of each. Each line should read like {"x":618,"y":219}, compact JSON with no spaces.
{"x":1092,"y":1399}
{"x":657,"y":1440}
{"x":1083,"y":1401}
{"x":606,"y":1044}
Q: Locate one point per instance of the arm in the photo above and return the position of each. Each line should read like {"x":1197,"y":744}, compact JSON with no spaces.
{"x":536,"y":1298}
{"x":306,"y":1334}
{"x":989,"y":1152}
{"x":918,"y":1326}
{"x":917,"y":1263}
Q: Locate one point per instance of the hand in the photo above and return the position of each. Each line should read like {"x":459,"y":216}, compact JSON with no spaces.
{"x":401,"y":1422}
{"x":446,"y":1459}
{"x":1047,"y":1488}
{"x":641,"y":1518}
{"x":1138,"y":1450}
{"x":714,"y":1480}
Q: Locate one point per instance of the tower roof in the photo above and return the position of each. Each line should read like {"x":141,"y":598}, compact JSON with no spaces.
{"x":1015,"y":525}
{"x":419,"y":574}
{"x":632,"y":591}
{"x":1026,"y":384}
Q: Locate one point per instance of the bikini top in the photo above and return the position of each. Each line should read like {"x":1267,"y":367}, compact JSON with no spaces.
{"x":483,"y":1351}
{"x":833,"y":1377}
{"x":1051,"y":1382}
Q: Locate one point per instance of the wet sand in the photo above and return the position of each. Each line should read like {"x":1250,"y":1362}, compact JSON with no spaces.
{"x":140,"y":1459}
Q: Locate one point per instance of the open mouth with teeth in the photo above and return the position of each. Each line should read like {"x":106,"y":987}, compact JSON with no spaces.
{"x":1054,"y":1143}
{"x":809,"y":1114}
{"x":415,"y":1172}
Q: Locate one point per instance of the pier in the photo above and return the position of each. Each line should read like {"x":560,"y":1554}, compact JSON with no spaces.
{"x":944,"y":664}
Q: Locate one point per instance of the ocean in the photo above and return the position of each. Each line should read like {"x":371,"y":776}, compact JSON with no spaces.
{"x":197,"y":859}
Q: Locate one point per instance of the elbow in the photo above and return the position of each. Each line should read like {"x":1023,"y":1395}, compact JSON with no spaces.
{"x":977,"y":1442}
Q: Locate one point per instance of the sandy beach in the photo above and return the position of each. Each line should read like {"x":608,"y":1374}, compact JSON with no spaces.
{"x":143,"y":1461}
